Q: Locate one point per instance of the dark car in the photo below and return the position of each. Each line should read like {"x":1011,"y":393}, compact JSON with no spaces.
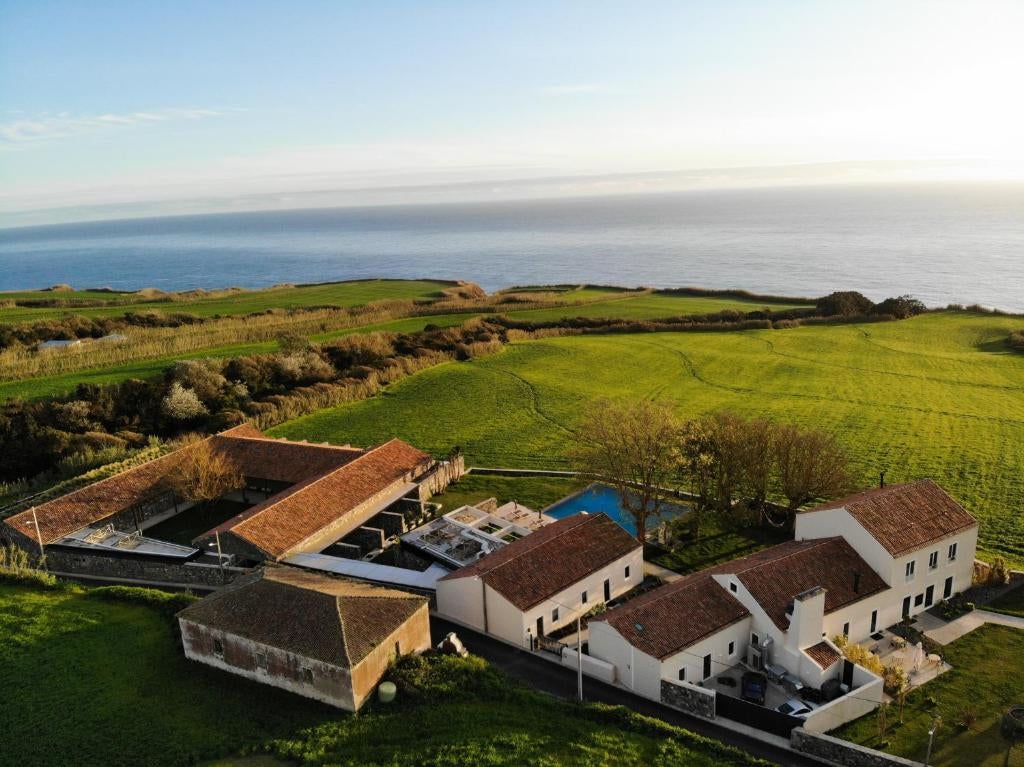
{"x":753,"y":686}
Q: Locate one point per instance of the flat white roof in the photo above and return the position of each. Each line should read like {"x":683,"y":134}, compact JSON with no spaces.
{"x":368,"y":571}
{"x":108,"y":539}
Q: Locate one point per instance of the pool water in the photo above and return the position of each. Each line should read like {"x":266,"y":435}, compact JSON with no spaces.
{"x":596,"y":499}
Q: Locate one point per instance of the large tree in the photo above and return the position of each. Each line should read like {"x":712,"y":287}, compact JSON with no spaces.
{"x":810,"y":464}
{"x":633,"y":447}
{"x":201,"y":474}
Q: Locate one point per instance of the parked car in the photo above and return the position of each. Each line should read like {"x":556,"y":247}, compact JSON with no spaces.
{"x":753,"y":686}
{"x":796,"y":707}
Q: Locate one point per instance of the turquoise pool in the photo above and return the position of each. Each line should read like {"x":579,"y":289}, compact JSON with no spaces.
{"x":601,"y":498}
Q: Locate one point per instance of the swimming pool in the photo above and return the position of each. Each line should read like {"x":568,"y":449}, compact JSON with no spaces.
{"x":601,"y":498}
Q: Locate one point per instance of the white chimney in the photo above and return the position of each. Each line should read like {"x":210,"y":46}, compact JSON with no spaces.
{"x":807,"y":619}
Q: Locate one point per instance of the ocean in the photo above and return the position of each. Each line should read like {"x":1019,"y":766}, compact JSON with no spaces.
{"x":955,"y":243}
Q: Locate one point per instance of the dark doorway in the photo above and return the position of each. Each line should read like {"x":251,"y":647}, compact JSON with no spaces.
{"x":607,"y":590}
{"x":929,"y":596}
{"x":540,"y":627}
{"x":874,"y":621}
{"x":848,"y":674}
{"x":707,"y":666}
{"x":906,"y":607}
{"x":947,"y":590}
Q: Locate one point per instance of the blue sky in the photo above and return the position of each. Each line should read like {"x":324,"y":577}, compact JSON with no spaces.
{"x":113,"y":103}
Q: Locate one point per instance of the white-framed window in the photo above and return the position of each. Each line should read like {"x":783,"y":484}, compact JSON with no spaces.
{"x":682,"y":674}
{"x":933,"y":560}
{"x":754,"y":639}
{"x":583,"y":597}
{"x":627,"y":572}
{"x":732,"y":587}
{"x":732,"y":649}
{"x":910,"y":570}
{"x":952,"y":552}
{"x":554,"y":615}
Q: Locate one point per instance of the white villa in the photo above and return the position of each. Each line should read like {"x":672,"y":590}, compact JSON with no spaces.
{"x":856,"y":566}
{"x":541,"y":582}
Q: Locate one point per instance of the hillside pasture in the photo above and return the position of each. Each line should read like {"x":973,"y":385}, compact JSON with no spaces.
{"x":936,"y":396}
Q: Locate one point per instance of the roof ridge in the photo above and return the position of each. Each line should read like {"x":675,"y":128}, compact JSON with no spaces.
{"x":283,"y":441}
{"x":584,"y":518}
{"x":806,"y":545}
{"x":301,"y":488}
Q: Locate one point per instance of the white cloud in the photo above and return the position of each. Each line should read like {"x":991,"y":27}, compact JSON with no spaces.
{"x":23,"y":131}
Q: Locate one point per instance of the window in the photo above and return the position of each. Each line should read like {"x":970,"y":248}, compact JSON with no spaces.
{"x":947,"y":589}
{"x":261,"y":660}
{"x":910,"y":570}
{"x":874,"y":621}
{"x":732,"y":587}
{"x":933,"y":560}
{"x":952,"y":552}
{"x":846,"y":629}
{"x":707,"y":666}
{"x":218,"y":648}
{"x":627,"y":572}
{"x":919,"y":600}
{"x":583,"y":597}
{"x":554,"y":615}
{"x":754,"y":640}
{"x":307,"y":675}
{"x":682,"y":674}
{"x":732,"y":649}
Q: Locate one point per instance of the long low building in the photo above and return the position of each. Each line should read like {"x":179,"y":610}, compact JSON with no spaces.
{"x":295,"y":498}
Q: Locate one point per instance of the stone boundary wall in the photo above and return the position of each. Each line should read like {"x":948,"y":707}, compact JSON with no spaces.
{"x":843,"y":752}
{"x":688,"y":698}
{"x":128,"y":568}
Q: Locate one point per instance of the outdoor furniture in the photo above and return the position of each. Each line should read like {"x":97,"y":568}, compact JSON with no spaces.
{"x":898,"y":642}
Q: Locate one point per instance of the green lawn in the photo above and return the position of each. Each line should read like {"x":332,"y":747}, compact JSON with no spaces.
{"x":99,"y":682}
{"x":1011,"y":603}
{"x":647,"y":307}
{"x":334,"y":294}
{"x":690,"y":554}
{"x":936,"y":396}
{"x":533,"y":492}
{"x":987,"y":677}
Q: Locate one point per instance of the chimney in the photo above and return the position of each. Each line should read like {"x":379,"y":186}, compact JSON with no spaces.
{"x":881,"y":480}
{"x":856,"y":582}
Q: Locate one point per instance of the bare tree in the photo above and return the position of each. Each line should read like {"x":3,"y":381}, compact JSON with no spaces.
{"x":201,"y":474}
{"x":757,"y":460}
{"x":810,"y":465}
{"x":633,"y":447}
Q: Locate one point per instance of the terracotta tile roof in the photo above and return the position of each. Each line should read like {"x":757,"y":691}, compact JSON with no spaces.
{"x":823,"y":654}
{"x":256,"y":455}
{"x":776,"y":575}
{"x":904,"y":518}
{"x":329,"y":619}
{"x":550,"y":560}
{"x":285,"y":520}
{"x":675,"y":616}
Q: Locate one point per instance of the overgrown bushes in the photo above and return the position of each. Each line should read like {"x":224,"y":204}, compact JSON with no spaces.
{"x":162,"y":601}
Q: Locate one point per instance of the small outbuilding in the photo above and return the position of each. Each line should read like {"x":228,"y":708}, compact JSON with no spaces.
{"x":327,"y":638}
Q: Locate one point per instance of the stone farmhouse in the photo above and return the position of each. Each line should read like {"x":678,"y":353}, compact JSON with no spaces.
{"x":856,"y":565}
{"x":323,"y":637}
{"x":542,"y":582}
{"x":297,"y":498}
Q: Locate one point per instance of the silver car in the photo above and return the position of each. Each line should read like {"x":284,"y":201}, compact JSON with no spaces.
{"x":796,"y":707}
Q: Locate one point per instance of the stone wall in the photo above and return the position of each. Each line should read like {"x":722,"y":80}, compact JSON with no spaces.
{"x":842,"y":752}
{"x":688,"y":698}
{"x":123,"y":567}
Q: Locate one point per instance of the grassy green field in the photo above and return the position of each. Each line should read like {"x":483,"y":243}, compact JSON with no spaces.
{"x":936,"y":396}
{"x":104,"y":683}
{"x":534,"y":492}
{"x":647,"y":307}
{"x":987,"y":677}
{"x":353,"y":293}
{"x":29,"y":388}
{"x":1011,"y":603}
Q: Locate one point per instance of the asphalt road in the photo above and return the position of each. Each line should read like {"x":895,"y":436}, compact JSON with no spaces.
{"x":562,"y":683}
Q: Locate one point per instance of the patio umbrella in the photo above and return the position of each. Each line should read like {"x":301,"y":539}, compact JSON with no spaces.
{"x":918,"y":655}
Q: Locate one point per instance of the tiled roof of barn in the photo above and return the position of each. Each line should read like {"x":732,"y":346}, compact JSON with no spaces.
{"x":549,"y":560}
{"x":333,"y":620}
{"x":287,"y":519}
{"x":256,"y":456}
{"x":904,"y":518}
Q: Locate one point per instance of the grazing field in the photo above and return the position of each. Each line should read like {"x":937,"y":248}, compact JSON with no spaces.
{"x":536,"y":493}
{"x":987,"y":678}
{"x":103,"y":683}
{"x":245,"y":302}
{"x":936,"y":396}
{"x":649,"y":307}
